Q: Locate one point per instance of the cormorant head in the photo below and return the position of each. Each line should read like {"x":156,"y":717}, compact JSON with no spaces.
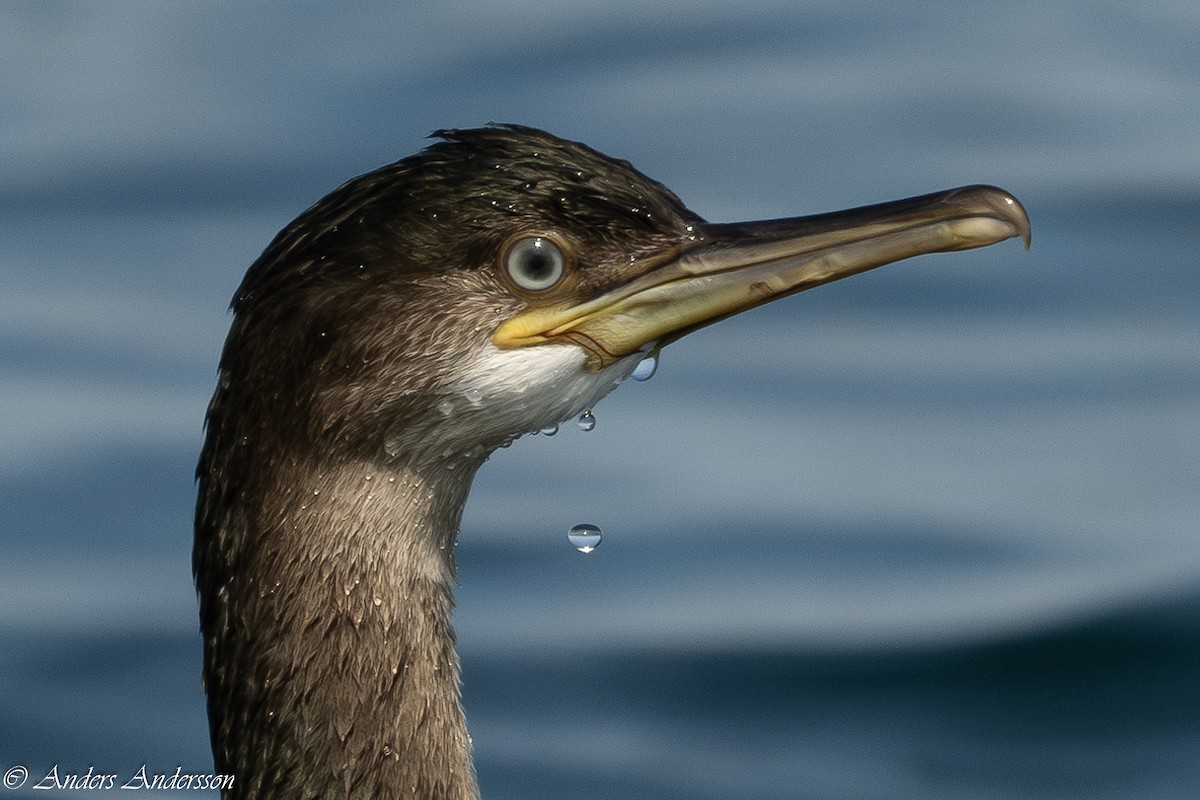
{"x":503,"y":280}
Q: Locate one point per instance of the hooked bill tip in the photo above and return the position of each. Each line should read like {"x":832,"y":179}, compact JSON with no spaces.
{"x":1018,"y":218}
{"x":1003,"y":205}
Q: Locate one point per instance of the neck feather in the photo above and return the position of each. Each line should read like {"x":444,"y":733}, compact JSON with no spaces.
{"x":329,"y":655}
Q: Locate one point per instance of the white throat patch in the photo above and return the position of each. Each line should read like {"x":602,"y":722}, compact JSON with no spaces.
{"x":528,"y":388}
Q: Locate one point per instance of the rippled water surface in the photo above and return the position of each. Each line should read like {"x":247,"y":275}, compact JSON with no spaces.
{"x":930,"y":532}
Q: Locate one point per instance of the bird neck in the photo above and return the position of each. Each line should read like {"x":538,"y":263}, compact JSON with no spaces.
{"x":329,"y":654}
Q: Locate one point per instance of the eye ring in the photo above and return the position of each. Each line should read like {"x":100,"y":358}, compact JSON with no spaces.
{"x":534,"y":263}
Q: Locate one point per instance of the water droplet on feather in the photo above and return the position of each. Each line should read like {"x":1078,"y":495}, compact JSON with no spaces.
{"x":645,"y":369}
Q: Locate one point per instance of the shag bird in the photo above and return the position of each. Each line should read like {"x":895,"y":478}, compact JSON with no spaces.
{"x":383,"y":345}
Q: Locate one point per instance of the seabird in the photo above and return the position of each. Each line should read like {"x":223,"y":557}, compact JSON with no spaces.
{"x":383,"y":345}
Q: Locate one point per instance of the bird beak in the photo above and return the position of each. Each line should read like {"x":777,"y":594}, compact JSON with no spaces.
{"x":721,"y":270}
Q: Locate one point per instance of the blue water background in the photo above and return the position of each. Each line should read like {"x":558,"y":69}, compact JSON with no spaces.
{"x":930,"y":532}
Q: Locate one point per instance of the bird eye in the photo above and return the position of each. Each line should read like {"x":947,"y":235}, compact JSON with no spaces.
{"x":535,"y":263}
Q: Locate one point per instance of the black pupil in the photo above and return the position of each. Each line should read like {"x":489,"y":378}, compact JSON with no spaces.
{"x":539,"y":264}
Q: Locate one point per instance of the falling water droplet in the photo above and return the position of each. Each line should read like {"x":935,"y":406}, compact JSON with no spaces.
{"x":645,"y":369}
{"x":586,"y":421}
{"x":473,"y":395}
{"x":446,"y":407}
{"x":585,"y":537}
{"x":549,"y":430}
{"x":392,"y":443}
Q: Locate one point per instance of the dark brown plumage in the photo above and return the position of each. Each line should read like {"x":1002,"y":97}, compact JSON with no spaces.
{"x":346,"y":327}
